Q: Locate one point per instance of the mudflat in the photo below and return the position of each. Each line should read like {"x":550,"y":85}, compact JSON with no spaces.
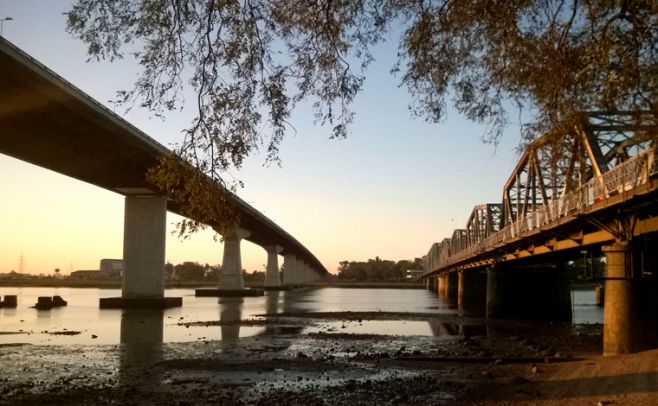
{"x":497,"y":363}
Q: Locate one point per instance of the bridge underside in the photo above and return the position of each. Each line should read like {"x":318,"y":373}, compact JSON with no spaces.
{"x":48,"y":122}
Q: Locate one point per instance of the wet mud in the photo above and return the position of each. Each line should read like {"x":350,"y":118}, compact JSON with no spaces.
{"x":485,"y":363}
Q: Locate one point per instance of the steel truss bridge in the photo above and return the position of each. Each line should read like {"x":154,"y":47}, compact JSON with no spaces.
{"x":585,"y":187}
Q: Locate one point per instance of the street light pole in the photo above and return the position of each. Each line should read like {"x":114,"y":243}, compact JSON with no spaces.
{"x":2,"y":21}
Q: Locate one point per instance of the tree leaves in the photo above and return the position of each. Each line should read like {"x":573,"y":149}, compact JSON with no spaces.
{"x":250,"y":62}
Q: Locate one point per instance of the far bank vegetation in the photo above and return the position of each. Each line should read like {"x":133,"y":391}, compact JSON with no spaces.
{"x":377,"y":270}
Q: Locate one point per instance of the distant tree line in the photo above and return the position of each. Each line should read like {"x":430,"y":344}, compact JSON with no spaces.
{"x":377,"y":269}
{"x":194,"y":271}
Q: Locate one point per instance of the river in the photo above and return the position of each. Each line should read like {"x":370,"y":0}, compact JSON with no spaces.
{"x":82,"y":322}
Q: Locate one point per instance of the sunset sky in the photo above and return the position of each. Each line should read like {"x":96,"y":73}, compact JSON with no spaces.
{"x":394,"y":187}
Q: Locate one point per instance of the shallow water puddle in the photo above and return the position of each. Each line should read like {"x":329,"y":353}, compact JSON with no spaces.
{"x":378,"y":327}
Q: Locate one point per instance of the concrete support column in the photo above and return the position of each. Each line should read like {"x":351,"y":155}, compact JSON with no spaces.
{"x":272,"y":271}
{"x":452,"y":279}
{"x":495,"y":289}
{"x":308,"y":278}
{"x":290,"y":269}
{"x":441,"y":286}
{"x":144,"y":235}
{"x":230,"y":276}
{"x":312,"y":275}
{"x":472,"y":291}
{"x":301,"y":272}
{"x":619,"y":310}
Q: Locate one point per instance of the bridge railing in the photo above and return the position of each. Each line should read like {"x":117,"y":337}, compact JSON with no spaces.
{"x":624,"y":177}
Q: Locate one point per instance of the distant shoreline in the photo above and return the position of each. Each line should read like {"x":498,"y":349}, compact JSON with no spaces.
{"x":81,"y":283}
{"x":116,"y":284}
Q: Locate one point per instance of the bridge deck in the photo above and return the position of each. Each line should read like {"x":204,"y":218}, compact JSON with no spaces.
{"x":582,"y":216}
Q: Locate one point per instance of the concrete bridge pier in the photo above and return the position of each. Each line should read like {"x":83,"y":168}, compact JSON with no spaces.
{"x":451,"y":287}
{"x":472,"y":291}
{"x":230,"y":276}
{"x":308,"y":274}
{"x":272,"y":278}
{"x":531,"y":292}
{"x":302,"y":272}
{"x":433,"y":284}
{"x":312,"y":275}
{"x":144,"y":235}
{"x":441,"y":286}
{"x":620,"y":327}
{"x":290,"y":276}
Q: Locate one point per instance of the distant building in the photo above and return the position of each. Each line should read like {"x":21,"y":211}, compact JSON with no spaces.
{"x":111,"y":266}
{"x":414,"y":273}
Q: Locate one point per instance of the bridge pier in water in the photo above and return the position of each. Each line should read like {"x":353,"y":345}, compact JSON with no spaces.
{"x":230,"y":277}
{"x":451,"y":287}
{"x":304,"y":272}
{"x":272,"y":277}
{"x":531,"y":292}
{"x":290,"y":270}
{"x":144,"y":235}
{"x":430,"y":284}
{"x":630,"y":311}
{"x":472,"y":291}
{"x":441,"y":286}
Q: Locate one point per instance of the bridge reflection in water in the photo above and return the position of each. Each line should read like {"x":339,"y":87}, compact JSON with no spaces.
{"x":141,"y":346}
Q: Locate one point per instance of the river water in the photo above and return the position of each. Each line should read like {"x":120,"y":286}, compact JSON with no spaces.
{"x":82,"y":322}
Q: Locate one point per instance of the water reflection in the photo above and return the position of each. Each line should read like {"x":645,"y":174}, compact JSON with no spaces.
{"x":284,"y":301}
{"x":299,"y":301}
{"x":230,"y":314}
{"x":442,"y":328}
{"x":141,"y":345}
{"x":44,"y":314}
{"x":100,"y":327}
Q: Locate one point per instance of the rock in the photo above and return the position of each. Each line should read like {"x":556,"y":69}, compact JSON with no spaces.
{"x":10,"y":301}
{"x":58,"y":301}
{"x":94,"y":336}
{"x":44,"y":303}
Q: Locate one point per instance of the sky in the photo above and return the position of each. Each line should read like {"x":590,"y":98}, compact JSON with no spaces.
{"x":392,"y":188}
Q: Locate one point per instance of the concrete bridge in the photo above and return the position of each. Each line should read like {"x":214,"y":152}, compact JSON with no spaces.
{"x":46,"y":121}
{"x":593,"y":192}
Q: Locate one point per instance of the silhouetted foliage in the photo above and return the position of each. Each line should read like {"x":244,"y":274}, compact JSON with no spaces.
{"x":377,"y":269}
{"x":192,"y":271}
{"x":250,"y":62}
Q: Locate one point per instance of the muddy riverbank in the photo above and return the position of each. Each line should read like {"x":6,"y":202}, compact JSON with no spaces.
{"x":504,"y":363}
